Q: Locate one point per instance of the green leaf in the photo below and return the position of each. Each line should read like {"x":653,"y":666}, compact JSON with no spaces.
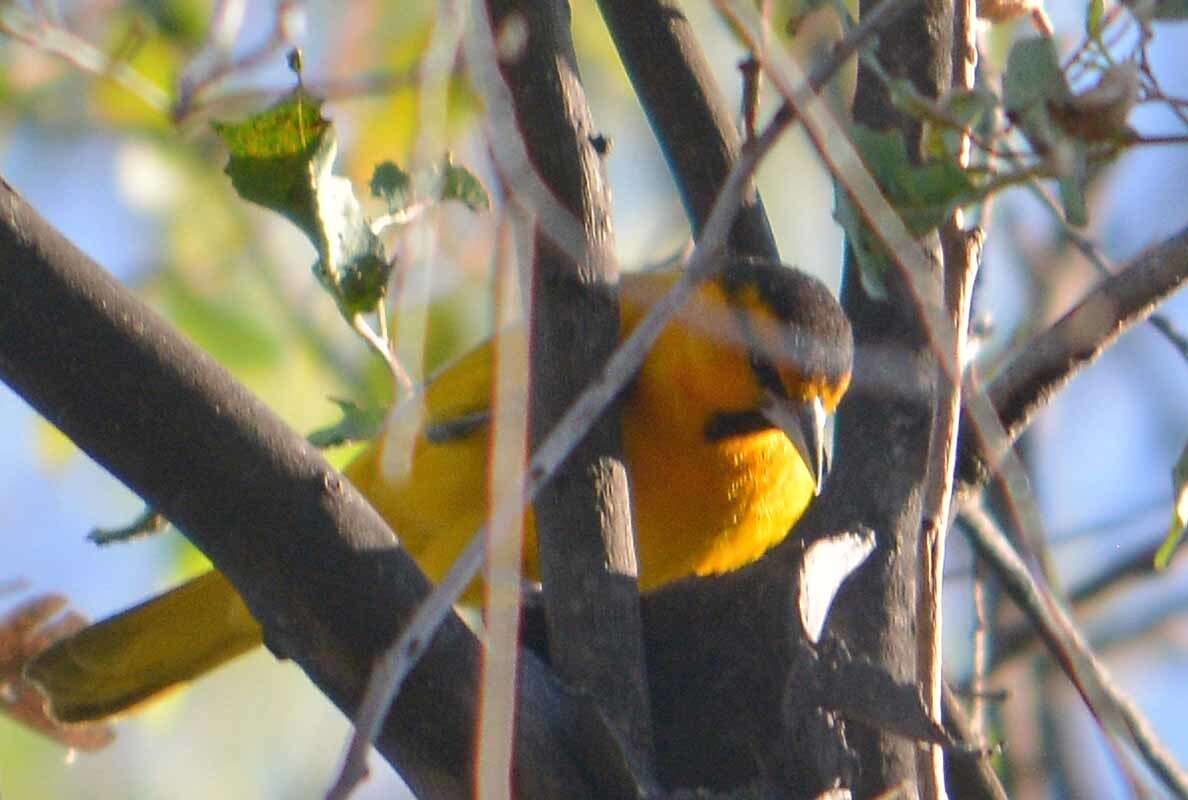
{"x":361,"y":284}
{"x":271,"y":153}
{"x":961,"y":111}
{"x":925,"y":195}
{"x":969,"y":107}
{"x":283,"y":159}
{"x":1032,"y":83}
{"x":458,"y":183}
{"x":1074,"y":183}
{"x":1175,"y":532}
{"x":871,"y":257}
{"x":391,"y":184}
{"x":1093,"y":17}
{"x":1033,"y":75}
{"x":357,"y":425}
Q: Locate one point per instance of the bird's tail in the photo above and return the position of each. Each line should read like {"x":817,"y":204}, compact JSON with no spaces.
{"x":139,"y":654}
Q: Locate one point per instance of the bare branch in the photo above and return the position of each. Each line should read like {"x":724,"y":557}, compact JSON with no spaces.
{"x":1117,"y":712}
{"x":1030,"y":381}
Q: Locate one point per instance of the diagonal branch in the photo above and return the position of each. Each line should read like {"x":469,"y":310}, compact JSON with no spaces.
{"x":316,"y":565}
{"x":1030,"y":381}
{"x":1117,"y":713}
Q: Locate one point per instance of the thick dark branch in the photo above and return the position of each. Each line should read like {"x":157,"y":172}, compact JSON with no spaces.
{"x":882,"y":439}
{"x":688,"y":114}
{"x":1030,"y":381}
{"x":587,"y":550}
{"x":317,"y":566}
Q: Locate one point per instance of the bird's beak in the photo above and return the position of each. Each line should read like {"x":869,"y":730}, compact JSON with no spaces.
{"x":804,"y":425}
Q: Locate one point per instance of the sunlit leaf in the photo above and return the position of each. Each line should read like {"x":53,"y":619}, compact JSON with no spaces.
{"x":1175,"y":532}
{"x":272,"y":155}
{"x":155,"y":59}
{"x":356,"y":425}
{"x":283,"y":159}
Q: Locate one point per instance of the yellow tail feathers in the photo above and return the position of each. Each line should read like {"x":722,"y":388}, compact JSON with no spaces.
{"x":160,"y":644}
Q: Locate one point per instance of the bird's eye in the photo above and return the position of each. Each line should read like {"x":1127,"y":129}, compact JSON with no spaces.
{"x":766,"y":374}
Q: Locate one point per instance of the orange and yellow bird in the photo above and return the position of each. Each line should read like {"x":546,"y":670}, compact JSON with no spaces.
{"x":723,"y":436}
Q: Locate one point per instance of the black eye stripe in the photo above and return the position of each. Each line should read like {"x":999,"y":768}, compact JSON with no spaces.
{"x":726,"y":425}
{"x":765,"y":372}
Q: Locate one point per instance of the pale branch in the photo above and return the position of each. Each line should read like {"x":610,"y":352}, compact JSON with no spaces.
{"x":962,"y":250}
{"x":316,"y":565}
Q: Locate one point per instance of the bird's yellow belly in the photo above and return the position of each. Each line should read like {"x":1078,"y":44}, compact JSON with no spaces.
{"x":703,"y":508}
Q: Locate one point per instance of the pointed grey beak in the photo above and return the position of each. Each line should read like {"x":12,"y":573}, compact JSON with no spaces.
{"x":804,"y":425}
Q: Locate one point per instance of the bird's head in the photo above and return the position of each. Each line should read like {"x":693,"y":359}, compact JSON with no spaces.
{"x":800,"y":350}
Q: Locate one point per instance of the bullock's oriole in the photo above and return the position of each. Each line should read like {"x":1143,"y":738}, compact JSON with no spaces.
{"x":723,"y":439}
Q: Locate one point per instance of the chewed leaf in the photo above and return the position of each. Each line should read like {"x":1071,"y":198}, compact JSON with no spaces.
{"x":283,"y":159}
{"x":271,"y":154}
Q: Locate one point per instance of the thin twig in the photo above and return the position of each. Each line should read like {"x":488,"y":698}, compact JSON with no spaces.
{"x":961,"y":249}
{"x":45,"y":35}
{"x":1128,"y":573}
{"x":502,"y":599}
{"x":1074,"y":654}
